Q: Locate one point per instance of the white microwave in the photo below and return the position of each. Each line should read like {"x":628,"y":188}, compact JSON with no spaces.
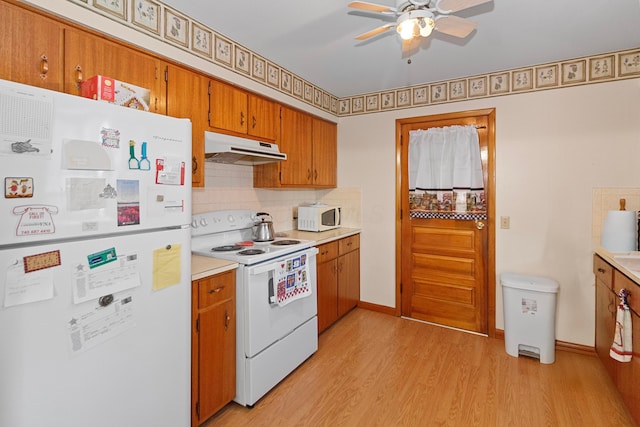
{"x":317,"y":217}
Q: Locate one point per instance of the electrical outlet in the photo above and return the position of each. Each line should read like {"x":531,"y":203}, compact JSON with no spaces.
{"x":505,"y":222}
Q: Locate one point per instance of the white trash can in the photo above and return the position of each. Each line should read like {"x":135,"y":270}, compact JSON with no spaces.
{"x":529,"y":315}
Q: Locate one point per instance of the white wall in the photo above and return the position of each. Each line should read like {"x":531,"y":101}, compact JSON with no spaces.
{"x":552,"y":149}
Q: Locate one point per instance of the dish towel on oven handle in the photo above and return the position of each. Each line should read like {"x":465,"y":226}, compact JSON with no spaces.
{"x":291,"y":281}
{"x":621,"y":349}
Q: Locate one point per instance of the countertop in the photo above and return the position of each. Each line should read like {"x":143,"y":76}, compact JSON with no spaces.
{"x":321,"y":237}
{"x":202,"y":266}
{"x":610,"y":258}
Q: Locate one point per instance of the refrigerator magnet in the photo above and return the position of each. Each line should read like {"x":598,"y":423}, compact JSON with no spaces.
{"x":18,"y":187}
{"x":41,"y":261}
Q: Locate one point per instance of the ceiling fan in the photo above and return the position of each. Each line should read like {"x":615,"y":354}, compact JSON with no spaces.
{"x":418,"y":18}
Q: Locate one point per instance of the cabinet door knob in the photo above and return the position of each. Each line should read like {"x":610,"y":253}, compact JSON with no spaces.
{"x":194,"y":165}
{"x":227,"y":320}
{"x":78,"y":70}
{"x":44,"y":66}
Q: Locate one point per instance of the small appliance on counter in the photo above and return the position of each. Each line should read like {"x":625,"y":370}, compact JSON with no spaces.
{"x":318,"y":217}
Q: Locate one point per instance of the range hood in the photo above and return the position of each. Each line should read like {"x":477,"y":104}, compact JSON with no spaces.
{"x":223,"y":148}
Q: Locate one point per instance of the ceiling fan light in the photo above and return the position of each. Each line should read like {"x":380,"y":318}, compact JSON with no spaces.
{"x":426,"y":25}
{"x":407,"y":29}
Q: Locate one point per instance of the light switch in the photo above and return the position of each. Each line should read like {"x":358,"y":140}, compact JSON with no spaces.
{"x":505,"y":222}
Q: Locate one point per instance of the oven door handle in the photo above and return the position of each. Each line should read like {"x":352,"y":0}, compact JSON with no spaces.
{"x":272,"y":292}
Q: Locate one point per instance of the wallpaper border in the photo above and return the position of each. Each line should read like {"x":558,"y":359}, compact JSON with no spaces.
{"x":155,"y":19}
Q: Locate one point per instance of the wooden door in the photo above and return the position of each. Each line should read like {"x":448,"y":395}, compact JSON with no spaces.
{"x":264,"y":118}
{"x":194,"y":107}
{"x":295,"y":141}
{"x":446,"y":265}
{"x":227,"y":107}
{"x":31,"y":47}
{"x":325,"y":153}
{"x":87,"y":55}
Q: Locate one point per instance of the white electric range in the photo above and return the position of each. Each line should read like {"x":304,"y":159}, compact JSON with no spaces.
{"x":276,"y":308}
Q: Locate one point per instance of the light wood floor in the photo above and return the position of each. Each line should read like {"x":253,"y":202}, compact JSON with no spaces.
{"x":373,"y":369}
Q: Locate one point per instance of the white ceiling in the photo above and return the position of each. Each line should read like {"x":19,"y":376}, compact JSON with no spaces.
{"x":316,"y":39}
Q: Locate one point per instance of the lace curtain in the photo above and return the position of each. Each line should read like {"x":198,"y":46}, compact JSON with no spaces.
{"x":445,"y":170}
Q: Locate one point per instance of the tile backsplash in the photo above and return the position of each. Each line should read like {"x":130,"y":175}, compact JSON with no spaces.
{"x":231,"y":187}
{"x":608,"y":199}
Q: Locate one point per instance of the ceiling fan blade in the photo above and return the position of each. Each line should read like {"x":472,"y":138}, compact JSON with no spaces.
{"x":455,"y":26}
{"x":375,"y":32}
{"x":451,"y":6}
{"x":371,"y":7}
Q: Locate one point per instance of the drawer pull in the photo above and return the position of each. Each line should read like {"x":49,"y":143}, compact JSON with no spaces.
{"x":216,"y":290}
{"x":601,"y":270}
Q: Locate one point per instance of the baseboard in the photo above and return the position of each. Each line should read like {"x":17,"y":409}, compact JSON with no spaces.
{"x":376,"y":307}
{"x":562,"y":345}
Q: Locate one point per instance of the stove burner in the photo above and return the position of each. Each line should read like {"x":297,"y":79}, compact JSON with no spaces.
{"x":285,"y":242}
{"x":251,"y":252}
{"x":226,"y":248}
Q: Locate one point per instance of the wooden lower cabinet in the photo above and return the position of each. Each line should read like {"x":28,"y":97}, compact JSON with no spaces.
{"x":338,"y":270}
{"x":625,"y":375}
{"x":213,"y":345}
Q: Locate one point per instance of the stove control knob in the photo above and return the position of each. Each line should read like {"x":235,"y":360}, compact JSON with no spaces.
{"x":194,"y":223}
{"x":231,"y":219}
{"x":203,"y":222}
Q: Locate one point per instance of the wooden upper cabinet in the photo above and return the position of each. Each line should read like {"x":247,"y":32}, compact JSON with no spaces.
{"x":227,"y":107}
{"x":181,"y":81}
{"x":239,"y":112}
{"x":31,"y":47}
{"x":325,"y":153}
{"x":264,"y":118}
{"x":296,"y":142}
{"x":311,"y":146}
{"x":86,"y":55}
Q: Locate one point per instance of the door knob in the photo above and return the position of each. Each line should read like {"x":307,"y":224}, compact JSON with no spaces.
{"x":479,"y":225}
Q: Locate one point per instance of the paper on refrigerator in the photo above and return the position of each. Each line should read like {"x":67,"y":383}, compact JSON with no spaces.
{"x":108,"y":277}
{"x":94,"y":323}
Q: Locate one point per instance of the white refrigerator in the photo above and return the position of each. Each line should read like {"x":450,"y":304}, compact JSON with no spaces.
{"x":95,"y":263}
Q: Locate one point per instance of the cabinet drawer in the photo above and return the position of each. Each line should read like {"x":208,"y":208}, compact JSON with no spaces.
{"x":215,"y":289}
{"x":603,"y":271}
{"x":349,"y":244}
{"x":621,"y":281}
{"x":327,"y":252}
